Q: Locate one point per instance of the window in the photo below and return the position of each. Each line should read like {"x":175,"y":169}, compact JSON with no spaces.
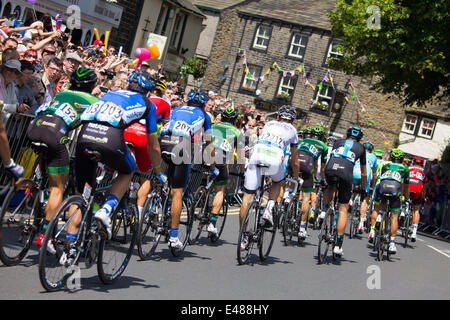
{"x":323,"y":97}
{"x":409,"y":125}
{"x":298,"y":46}
{"x":333,"y":51}
{"x":161,"y":23}
{"x":286,"y":87}
{"x":262,"y":37}
{"x":251,"y":83}
{"x":426,"y":128}
{"x":177,"y":29}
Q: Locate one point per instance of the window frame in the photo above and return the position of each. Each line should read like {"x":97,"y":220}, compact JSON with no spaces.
{"x":404,"y":129}
{"x":421,"y":127}
{"x":244,"y":79}
{"x":258,"y":47}
{"x":292,"y":86}
{"x":289,"y":53}
{"x":330,"y":99}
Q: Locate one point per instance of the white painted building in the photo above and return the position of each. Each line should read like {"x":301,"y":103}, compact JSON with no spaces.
{"x":426,"y":131}
{"x":94,"y":14}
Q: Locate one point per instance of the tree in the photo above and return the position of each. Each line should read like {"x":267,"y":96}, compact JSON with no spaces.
{"x":404,"y":44}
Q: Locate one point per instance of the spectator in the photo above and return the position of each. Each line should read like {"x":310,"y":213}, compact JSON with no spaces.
{"x":71,"y":62}
{"x":46,"y":81}
{"x":9,"y":71}
{"x":26,"y":93}
{"x":31,"y":56}
{"x":10,"y":54}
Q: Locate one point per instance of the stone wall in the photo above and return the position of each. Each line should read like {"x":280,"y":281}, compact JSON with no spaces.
{"x":237,"y":31}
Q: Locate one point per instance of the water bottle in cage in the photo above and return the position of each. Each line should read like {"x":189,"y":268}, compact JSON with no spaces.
{"x":134,"y":187}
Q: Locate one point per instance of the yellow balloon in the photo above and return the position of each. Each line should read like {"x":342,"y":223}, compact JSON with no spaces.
{"x":96,"y":34}
{"x":154,"y":51}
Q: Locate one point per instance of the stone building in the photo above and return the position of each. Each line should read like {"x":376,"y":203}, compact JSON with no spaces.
{"x":296,"y":34}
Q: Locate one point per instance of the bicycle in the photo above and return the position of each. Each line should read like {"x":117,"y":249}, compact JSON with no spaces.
{"x":252,"y":231}
{"x":354,"y":212}
{"x":292,"y":216}
{"x":318,"y":208}
{"x":328,"y":232}
{"x":156,"y":222}
{"x":201,"y":208}
{"x":20,"y":223}
{"x":58,"y":255}
{"x":383,"y":232}
{"x":406,"y":228}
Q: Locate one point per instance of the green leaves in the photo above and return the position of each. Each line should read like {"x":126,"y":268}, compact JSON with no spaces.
{"x":408,"y":51}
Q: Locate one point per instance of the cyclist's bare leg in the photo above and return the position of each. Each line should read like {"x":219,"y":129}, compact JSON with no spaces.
{"x":394,"y":224}
{"x":56,"y":184}
{"x":218,"y":199}
{"x":342,"y":223}
{"x":305,"y":205}
{"x":177,"y":205}
{"x":143,"y":192}
{"x":364,"y":207}
{"x":246,"y":199}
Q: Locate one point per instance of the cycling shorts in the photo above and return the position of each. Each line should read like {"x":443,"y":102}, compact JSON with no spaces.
{"x":222,"y":178}
{"x":110,"y":143}
{"x":52,"y":131}
{"x":389,"y":189}
{"x":416,"y":198}
{"x":339,"y":173}
{"x":253,"y":176}
{"x":137,"y":135}
{"x":306,"y":171}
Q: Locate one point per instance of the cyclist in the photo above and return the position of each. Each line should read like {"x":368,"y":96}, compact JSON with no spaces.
{"x":54,"y":120}
{"x":137,"y":135}
{"x":177,"y":138}
{"x":226,"y":138}
{"x":339,"y":171}
{"x":394,"y":180}
{"x":103,"y":131}
{"x":269,"y":150}
{"x":310,"y":149}
{"x":371,"y":165}
{"x":416,"y":180}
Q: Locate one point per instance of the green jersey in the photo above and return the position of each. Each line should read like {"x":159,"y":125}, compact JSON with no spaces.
{"x":394,"y":171}
{"x":315,"y":148}
{"x":227,"y":137}
{"x":68,"y":105}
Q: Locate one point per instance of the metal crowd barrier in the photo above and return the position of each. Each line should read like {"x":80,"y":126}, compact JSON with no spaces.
{"x":22,"y":153}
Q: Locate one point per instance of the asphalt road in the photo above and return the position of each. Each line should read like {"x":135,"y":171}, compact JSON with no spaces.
{"x":210,"y":272}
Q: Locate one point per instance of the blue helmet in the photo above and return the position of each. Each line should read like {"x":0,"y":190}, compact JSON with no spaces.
{"x":355,"y":132}
{"x":197,"y":98}
{"x":141,"y":82}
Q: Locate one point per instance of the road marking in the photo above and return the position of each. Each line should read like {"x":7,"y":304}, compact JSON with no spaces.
{"x":439,"y":251}
{"x":420,"y":240}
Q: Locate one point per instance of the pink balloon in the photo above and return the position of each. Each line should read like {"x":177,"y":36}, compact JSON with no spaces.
{"x":142,"y":54}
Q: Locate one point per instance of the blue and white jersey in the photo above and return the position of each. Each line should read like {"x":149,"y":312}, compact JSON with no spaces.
{"x":371,"y":163}
{"x":121,"y":108}
{"x":186,"y":121}
{"x":348,"y":149}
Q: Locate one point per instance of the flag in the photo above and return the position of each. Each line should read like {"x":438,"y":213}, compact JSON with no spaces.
{"x":300,"y":69}
{"x":363,"y":109}
{"x":262,"y":78}
{"x":292,"y":73}
{"x":53,"y":24}
{"x":326,"y":79}
{"x":58,"y":19}
{"x":354,"y":95}
{"x":284,"y":74}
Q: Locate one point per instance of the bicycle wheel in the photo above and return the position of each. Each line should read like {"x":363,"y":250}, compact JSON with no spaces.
{"x":19,"y":224}
{"x":248,"y":233}
{"x":199,"y":213}
{"x":351,"y":217}
{"x":406,"y":233}
{"x":387,"y":232}
{"x":267,"y":237}
{"x":114,"y":254}
{"x":221,"y":218}
{"x":53,"y":271}
{"x":324,"y":236}
{"x":150,"y":227}
{"x":184,"y":227}
{"x":380,"y":242}
{"x":289,"y":224}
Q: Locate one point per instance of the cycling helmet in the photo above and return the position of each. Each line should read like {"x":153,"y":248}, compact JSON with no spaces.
{"x":396,"y":155}
{"x":83,"y":79}
{"x":197,"y":98}
{"x":287,"y":112}
{"x":140,"y":82}
{"x":229,"y":115}
{"x":307,"y":132}
{"x":418,"y":161}
{"x":355,"y":132}
{"x":318,"y":132}
{"x":379,"y":153}
{"x":160,"y":87}
{"x":368,"y":146}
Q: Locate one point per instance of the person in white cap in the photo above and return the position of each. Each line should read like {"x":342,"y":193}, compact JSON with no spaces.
{"x":71,"y":62}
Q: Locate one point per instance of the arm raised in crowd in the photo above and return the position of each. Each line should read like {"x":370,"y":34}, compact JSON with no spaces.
{"x":46,"y":41}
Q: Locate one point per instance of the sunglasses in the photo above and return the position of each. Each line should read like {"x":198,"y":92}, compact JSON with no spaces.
{"x":49,"y":51}
{"x":30,"y":56}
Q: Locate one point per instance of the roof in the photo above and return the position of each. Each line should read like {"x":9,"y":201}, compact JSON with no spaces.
{"x":186,"y":4}
{"x":435,"y":108}
{"x":306,"y":12}
{"x":216,"y":5}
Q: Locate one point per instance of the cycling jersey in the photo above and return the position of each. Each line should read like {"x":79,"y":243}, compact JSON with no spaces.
{"x":395,"y":171}
{"x":416,"y":180}
{"x":269,"y":150}
{"x":67,"y":105}
{"x":120,"y":109}
{"x":162,"y":108}
{"x":227,"y":137}
{"x":315,"y":148}
{"x":392,"y":176}
{"x":186,"y":121}
{"x":371,"y":163}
